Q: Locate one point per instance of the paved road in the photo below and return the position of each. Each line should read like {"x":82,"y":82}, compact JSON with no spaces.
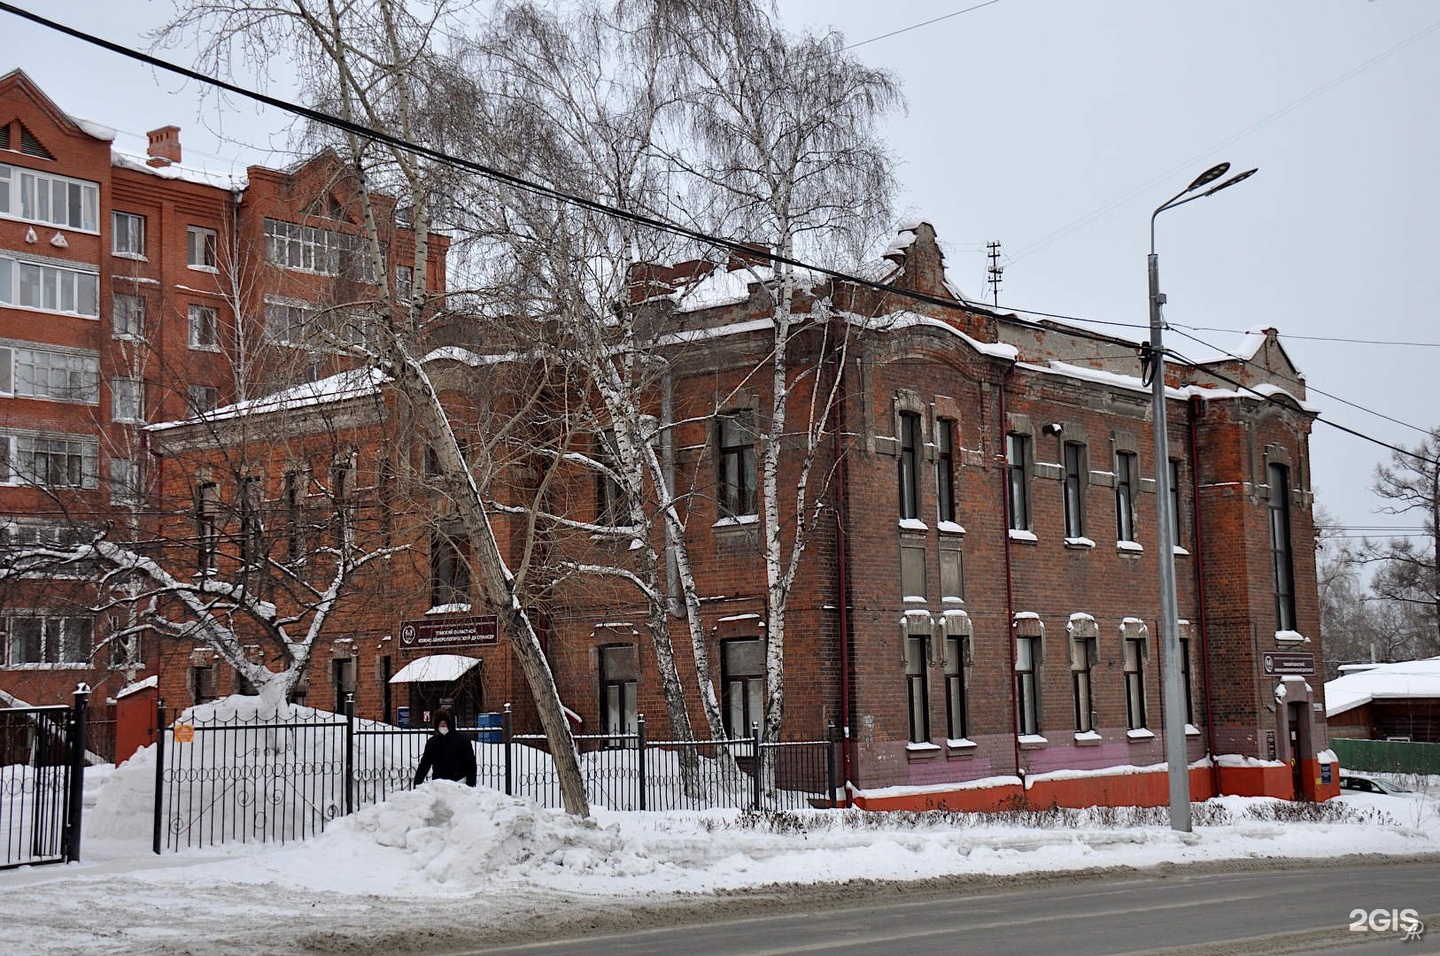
{"x":1205,"y":914}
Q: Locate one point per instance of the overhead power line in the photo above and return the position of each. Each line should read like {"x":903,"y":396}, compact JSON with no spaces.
{"x":550,"y":192}
{"x":916,"y":26}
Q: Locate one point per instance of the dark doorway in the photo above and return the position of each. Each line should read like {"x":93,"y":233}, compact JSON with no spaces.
{"x":1299,"y":731}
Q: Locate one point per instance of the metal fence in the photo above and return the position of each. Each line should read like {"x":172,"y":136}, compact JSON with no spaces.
{"x":233,"y":780}
{"x":42,"y":752}
{"x":1387,"y":756}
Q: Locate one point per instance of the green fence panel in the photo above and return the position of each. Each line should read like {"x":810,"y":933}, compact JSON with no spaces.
{"x":1387,"y":756}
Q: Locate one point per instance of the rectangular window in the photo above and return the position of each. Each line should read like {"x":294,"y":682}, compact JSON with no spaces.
{"x":1281,"y":560}
{"x":909,"y":465}
{"x":1175,"y":522}
{"x":39,"y":638}
{"x":342,"y":495}
{"x":50,"y":461}
{"x":127,"y":316}
{"x":1075,"y":472}
{"x":742,"y":674}
{"x":1027,"y":684}
{"x":342,"y":680}
{"x":735,"y":439}
{"x":618,"y":711}
{"x":312,"y":249}
{"x":48,"y":288}
{"x":207,"y":526}
{"x":286,"y":323}
{"x":1017,"y":458}
{"x":200,"y":248}
{"x":1127,"y":479}
{"x":293,"y":490}
{"x":1084,"y":652}
{"x":610,"y":506}
{"x":204,"y":328}
{"x":125,"y":480}
{"x":203,"y":687}
{"x":252,"y":525}
{"x":1135,"y":682}
{"x":917,"y":690}
{"x":952,"y":570}
{"x":56,"y":376}
{"x":957,"y":714}
{"x":49,"y":199}
{"x":127,"y":235}
{"x":127,"y":400}
{"x":945,"y":469}
{"x":202,"y":398}
{"x":404,"y":281}
{"x":449,"y":568}
{"x":1185,"y":680}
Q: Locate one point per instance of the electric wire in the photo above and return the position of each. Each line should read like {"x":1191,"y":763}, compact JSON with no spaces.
{"x":916,"y":26}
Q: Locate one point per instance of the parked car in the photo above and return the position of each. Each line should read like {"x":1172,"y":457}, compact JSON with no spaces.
{"x":1370,"y":785}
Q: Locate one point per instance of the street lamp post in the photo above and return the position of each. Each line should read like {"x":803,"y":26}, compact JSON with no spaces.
{"x":1176,"y":759}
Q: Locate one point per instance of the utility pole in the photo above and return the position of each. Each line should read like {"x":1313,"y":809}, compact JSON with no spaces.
{"x":995,"y":271}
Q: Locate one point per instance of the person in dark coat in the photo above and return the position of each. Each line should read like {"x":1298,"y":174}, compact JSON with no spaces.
{"x":448,"y":752}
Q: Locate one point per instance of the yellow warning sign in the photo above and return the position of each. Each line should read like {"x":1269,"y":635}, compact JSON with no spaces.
{"x":184,"y":733}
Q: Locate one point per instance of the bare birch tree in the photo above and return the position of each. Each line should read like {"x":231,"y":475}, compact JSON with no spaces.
{"x":1408,"y":569}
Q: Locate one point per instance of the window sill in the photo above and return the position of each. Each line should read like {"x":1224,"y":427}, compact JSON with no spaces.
{"x":921,"y":751}
{"x":964,"y":747}
{"x":913,"y":524}
{"x":736,"y":521}
{"x":132,"y":256}
{"x":1087,"y":738}
{"x":1023,"y":535}
{"x":950,"y":527}
{"x":1129,"y":547}
{"x":1142,"y":734}
{"x":213,"y":270}
{"x":205,"y":348}
{"x":457,"y":608}
{"x":1191,"y":730}
{"x":1181,"y":552}
{"x":1032,"y":742}
{"x":1290,"y":637}
{"x":1079,"y":543}
{"x":66,"y":666}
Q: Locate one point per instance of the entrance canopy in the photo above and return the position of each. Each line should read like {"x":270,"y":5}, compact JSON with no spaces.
{"x":436,"y":668}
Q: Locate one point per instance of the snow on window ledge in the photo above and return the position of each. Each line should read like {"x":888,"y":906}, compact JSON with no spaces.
{"x":1087,"y":738}
{"x":1192,"y":731}
{"x":458,"y":608}
{"x":1290,"y":637}
{"x":913,"y":524}
{"x":1133,"y":547}
{"x":1033,"y":740}
{"x":922,"y":749}
{"x":964,"y":743}
{"x":1181,"y":552}
{"x":1081,"y":542}
{"x":1019,"y":534}
{"x":950,"y":527}
{"x":732,"y":521}
{"x":1141,"y":734}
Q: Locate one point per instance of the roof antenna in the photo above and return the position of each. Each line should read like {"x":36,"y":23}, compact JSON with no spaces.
{"x":995,"y":271}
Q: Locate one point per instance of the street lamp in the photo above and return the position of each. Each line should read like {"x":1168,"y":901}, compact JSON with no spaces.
{"x":1154,"y":360}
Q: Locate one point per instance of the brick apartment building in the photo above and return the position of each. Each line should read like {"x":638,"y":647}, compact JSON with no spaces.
{"x":139,"y":289}
{"x":977,"y":611}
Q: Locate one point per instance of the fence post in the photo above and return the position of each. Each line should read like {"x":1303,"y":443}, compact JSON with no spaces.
{"x":640,"y":742}
{"x":505,"y":739}
{"x":349,"y":752}
{"x":830,"y":763}
{"x":755,"y":764}
{"x":159,"y":772}
{"x":75,"y":800}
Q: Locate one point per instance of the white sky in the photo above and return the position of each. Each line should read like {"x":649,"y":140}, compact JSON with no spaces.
{"x":1056,"y":127}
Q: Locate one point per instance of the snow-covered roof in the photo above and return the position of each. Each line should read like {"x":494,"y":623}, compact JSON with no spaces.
{"x":354,"y":383}
{"x":1404,"y":680}
{"x":434,"y":668}
{"x":188,"y":174}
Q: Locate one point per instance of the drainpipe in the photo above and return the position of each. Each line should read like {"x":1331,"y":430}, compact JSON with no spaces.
{"x":842,"y":578}
{"x":1009,"y":579}
{"x":1200,"y":600}
{"x":241,"y":371}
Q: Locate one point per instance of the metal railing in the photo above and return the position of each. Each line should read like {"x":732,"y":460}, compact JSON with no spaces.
{"x":42,"y":778}
{"x":227,"y":780}
{"x":1387,"y":756}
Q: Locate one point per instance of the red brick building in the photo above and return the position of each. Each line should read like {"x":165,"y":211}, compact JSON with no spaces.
{"x":139,"y":289}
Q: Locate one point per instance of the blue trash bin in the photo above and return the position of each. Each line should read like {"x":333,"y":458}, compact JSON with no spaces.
{"x":489,"y":725}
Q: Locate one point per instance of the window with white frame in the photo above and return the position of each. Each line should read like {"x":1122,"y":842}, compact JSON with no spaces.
{"x":49,"y":288}
{"x":1127,"y":480}
{"x":1017,"y":470}
{"x":957,"y":680}
{"x":202,"y":398}
{"x":127,"y":400}
{"x":742,"y":675}
{"x":1134,"y":636}
{"x":201,"y":248}
{"x":917,"y":684}
{"x":207,"y":526}
{"x":125,"y":480}
{"x":1084,"y":655}
{"x":34,"y":196}
{"x":204,"y":327}
{"x":312,"y":249}
{"x":619,"y":713}
{"x":127,"y":234}
{"x":127,"y":316}
{"x":51,"y":375}
{"x":1027,"y":684}
{"x":49,"y":461}
{"x":945,"y":469}
{"x":44,"y":637}
{"x":735,"y":447}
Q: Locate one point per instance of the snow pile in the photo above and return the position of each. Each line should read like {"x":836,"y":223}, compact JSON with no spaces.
{"x":455,"y":833}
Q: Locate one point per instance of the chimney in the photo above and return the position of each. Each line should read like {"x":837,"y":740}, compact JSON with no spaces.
{"x":164,"y":146}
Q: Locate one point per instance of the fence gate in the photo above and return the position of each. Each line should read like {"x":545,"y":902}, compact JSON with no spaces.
{"x":42,"y":760}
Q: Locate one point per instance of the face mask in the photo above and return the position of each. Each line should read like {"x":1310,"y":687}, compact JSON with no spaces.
{"x":444,"y":729}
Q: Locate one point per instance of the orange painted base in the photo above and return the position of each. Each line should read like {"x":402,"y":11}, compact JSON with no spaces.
{"x":1150,"y":789}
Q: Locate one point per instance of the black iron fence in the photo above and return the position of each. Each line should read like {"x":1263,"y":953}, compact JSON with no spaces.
{"x":246,"y":780}
{"x":42,"y":779}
